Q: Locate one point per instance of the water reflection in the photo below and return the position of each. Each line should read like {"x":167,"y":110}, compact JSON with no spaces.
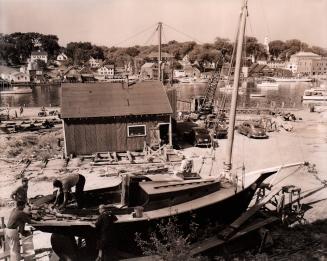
{"x":287,"y":93}
{"x":40,"y":96}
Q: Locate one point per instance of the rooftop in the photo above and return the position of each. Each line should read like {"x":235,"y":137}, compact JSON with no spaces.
{"x":39,"y":53}
{"x":113,"y":99}
{"x":306,"y":54}
{"x":6,"y":69}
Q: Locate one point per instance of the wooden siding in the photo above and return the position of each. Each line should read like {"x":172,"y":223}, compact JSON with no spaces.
{"x":87,"y":136}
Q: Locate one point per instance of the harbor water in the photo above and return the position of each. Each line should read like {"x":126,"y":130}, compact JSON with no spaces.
{"x":288,"y":94}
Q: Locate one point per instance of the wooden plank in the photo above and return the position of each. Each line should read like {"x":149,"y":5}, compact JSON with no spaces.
{"x":129,"y":156}
{"x":114,"y":155}
{"x":214,"y":241}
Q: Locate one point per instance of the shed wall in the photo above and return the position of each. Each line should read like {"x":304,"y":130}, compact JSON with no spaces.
{"x":87,"y":136}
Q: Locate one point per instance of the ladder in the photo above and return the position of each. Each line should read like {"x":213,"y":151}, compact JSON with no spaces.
{"x":206,"y":106}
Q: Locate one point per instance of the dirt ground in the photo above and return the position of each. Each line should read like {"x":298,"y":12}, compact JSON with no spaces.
{"x":308,"y":142}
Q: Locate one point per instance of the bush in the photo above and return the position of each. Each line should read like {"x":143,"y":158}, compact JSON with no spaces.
{"x":169,"y":242}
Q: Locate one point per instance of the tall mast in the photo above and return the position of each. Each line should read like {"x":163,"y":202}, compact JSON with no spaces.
{"x":232,"y":115}
{"x":159,"y":51}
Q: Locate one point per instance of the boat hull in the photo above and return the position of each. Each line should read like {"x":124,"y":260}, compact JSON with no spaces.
{"x":220,"y":212}
{"x":314,"y":98}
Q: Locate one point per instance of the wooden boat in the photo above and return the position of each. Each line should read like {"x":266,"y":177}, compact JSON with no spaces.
{"x":140,"y":202}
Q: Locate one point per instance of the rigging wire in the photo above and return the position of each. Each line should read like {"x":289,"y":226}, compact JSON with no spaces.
{"x":185,"y":34}
{"x":134,"y":35}
{"x":151,"y":37}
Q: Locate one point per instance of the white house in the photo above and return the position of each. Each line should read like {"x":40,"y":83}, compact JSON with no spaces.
{"x":108,"y":71}
{"x":95,"y":63}
{"x":13,"y":75}
{"x":62,"y":57}
{"x":39,"y":55}
{"x":179,"y":73}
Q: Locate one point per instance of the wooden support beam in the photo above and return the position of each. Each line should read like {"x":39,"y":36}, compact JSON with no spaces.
{"x":114,"y":154}
{"x":129,"y":156}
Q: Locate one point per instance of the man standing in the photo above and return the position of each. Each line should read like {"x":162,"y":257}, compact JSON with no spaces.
{"x":16,"y":225}
{"x":65,"y":184}
{"x":20,"y":194}
{"x":104,"y":229}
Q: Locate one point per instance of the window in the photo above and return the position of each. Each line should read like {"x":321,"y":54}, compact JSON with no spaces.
{"x":136,"y":131}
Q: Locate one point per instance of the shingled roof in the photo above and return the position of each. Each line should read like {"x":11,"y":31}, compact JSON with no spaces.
{"x":113,"y":99}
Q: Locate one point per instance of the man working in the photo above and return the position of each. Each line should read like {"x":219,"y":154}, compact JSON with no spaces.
{"x":20,"y":194}
{"x":16,"y":225}
{"x":105,"y":234}
{"x":65,"y":184}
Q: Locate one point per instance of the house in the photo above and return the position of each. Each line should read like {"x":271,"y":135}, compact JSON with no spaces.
{"x":72,"y":74}
{"x":62,"y":57}
{"x":192,"y":71}
{"x":149,"y":71}
{"x":12,"y":75}
{"x":179,"y":73}
{"x":258,"y":70}
{"x":107,"y":71}
{"x":39,"y":55}
{"x":301,"y":63}
{"x":114,"y":116}
{"x":95,"y":63}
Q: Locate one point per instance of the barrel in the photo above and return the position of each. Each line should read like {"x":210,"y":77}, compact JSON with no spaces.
{"x":138,"y":211}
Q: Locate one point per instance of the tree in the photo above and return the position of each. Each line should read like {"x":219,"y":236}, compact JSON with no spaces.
{"x":276,"y":48}
{"x":132,"y":51}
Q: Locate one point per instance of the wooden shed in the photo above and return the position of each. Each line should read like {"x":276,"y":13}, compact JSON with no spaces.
{"x":111,"y":117}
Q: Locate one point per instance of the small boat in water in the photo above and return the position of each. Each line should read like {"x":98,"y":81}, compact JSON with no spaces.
{"x":270,"y":83}
{"x":17,"y":90}
{"x":291,"y":79}
{"x":257,"y":95}
{"x":315,"y":94}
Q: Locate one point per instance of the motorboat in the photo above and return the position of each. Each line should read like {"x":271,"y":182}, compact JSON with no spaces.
{"x":315,"y":94}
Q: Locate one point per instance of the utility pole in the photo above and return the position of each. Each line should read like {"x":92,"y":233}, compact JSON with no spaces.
{"x":232,"y":116}
{"x":159,"y":51}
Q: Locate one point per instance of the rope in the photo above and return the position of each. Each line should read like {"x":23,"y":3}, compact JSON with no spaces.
{"x":151,"y":37}
{"x":134,"y":35}
{"x":185,"y":34}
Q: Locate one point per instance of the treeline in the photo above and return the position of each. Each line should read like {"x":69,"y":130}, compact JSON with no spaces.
{"x":16,"y":48}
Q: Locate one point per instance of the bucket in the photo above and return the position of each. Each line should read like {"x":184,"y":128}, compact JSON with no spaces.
{"x":138,"y":212}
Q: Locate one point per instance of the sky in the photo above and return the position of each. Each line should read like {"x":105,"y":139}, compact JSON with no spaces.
{"x":114,"y":22}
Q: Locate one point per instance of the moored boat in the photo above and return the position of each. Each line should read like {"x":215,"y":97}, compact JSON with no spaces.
{"x":291,"y":79}
{"x":17,"y":90}
{"x":315,"y":94}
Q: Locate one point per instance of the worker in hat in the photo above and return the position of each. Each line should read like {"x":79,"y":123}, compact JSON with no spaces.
{"x":20,"y":193}
{"x":104,"y":229}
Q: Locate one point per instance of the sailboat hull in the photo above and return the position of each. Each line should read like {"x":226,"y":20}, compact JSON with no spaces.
{"x":223,"y":211}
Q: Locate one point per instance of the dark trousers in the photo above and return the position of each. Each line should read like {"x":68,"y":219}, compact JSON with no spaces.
{"x":79,"y":191}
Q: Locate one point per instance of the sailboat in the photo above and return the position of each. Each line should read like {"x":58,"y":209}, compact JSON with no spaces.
{"x":142,"y":201}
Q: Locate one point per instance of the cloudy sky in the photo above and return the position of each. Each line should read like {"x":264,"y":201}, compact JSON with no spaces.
{"x":113,"y":22}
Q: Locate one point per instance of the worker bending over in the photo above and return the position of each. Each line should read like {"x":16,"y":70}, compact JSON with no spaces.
{"x":64,"y":185}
